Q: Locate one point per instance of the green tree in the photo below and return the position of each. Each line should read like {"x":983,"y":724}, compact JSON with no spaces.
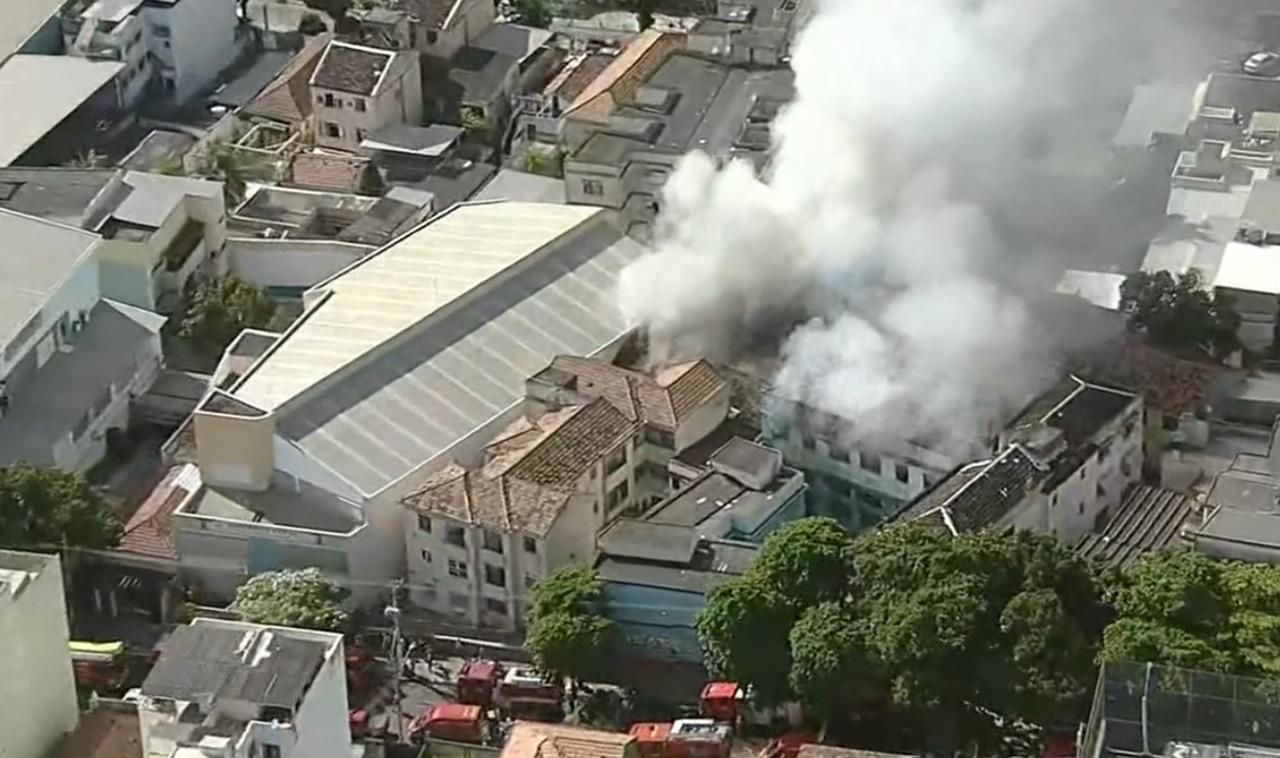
{"x":88,"y":159}
{"x":302,"y":598}
{"x":1182,"y":608}
{"x":1180,"y":312}
{"x":955,"y":636}
{"x":45,"y":507}
{"x":334,"y":9}
{"x":568,"y":633}
{"x":534,"y":12}
{"x":218,"y":309}
{"x":543,"y":161}
{"x":311,"y":25}
{"x":221,"y":162}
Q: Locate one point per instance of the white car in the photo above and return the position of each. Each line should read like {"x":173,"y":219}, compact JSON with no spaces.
{"x":1262,"y":64}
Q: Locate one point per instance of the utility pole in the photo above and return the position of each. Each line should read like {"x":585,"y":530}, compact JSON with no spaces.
{"x":392,"y":612}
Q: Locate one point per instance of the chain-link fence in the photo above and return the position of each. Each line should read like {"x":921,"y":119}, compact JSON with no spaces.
{"x":1140,"y":708}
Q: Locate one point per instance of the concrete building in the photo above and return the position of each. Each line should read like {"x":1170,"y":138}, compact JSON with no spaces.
{"x":156,"y":230}
{"x":180,"y":45}
{"x":225,"y":689}
{"x":411,"y":359}
{"x":35,"y":663}
{"x":357,"y":90}
{"x":1064,"y":467}
{"x":483,"y":538}
{"x":440,"y":28}
{"x":593,"y":448}
{"x":658,"y":568}
{"x":71,"y":360}
{"x":624,"y":133}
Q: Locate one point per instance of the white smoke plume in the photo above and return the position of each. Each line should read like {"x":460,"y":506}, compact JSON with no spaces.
{"x":873,"y":233}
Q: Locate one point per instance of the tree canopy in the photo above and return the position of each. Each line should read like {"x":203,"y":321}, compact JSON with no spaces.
{"x":46,"y":507}
{"x":218,"y":309}
{"x":302,"y":598}
{"x":568,"y":634}
{"x":1179,"y":312}
{"x":912,"y":623}
{"x":1185,"y":609}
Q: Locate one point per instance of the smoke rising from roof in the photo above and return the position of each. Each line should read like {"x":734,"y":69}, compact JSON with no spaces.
{"x":894,"y":218}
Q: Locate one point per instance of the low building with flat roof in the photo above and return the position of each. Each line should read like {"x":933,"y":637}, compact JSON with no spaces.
{"x":61,"y":98}
{"x":658,"y":567}
{"x":408,"y":360}
{"x":233,"y":688}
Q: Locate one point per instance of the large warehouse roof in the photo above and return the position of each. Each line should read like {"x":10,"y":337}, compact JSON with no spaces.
{"x":44,"y":89}
{"x":418,"y":346}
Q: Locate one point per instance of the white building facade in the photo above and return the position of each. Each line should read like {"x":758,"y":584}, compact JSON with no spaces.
{"x":36,"y":683}
{"x":180,"y":45}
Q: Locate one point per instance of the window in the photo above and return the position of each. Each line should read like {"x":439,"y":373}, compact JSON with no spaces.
{"x":618,"y":496}
{"x":869,"y":462}
{"x":498,"y":607}
{"x":1080,"y":508}
{"x":424,"y":523}
{"x":493,"y":542}
{"x":358,"y":104}
{"x":592,"y":187}
{"x":332,"y":130}
{"x":530,"y":545}
{"x":360,"y":134}
{"x":838,"y":453}
{"x":659,"y":438}
{"x":901,"y":472}
{"x":270,"y":751}
{"x":454,"y":535}
{"x":330,"y":101}
{"x":431,"y":37}
{"x":529,"y":581}
{"x":457,"y":568}
{"x":161,"y":30}
{"x":426,"y":556}
{"x":459,"y":601}
{"x":615,"y":459}
{"x":495,"y":575}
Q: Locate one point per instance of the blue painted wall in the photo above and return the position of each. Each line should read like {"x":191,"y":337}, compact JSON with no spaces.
{"x":656,"y":622}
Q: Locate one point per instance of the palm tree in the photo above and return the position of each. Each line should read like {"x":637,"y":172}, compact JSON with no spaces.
{"x":220,"y":162}
{"x":88,"y":159}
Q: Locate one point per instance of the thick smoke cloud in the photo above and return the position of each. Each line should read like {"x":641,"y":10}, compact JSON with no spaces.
{"x":895,"y":220}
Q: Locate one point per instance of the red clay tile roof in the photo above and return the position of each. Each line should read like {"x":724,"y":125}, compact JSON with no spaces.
{"x":618,"y":82}
{"x":329,"y":171}
{"x":663,"y":401}
{"x":149,"y":530}
{"x":532,"y":469}
{"x":1169,"y":383}
{"x":288,"y":98}
{"x":531,"y":740}
{"x":351,"y":68}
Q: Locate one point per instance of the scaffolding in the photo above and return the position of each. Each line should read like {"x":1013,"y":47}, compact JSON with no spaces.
{"x":1143,"y":709}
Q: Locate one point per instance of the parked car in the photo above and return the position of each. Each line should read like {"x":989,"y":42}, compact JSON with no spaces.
{"x":1262,"y":64}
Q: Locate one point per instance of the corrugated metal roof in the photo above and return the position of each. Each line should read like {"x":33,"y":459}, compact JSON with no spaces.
{"x":403,"y":283}
{"x":447,"y":376}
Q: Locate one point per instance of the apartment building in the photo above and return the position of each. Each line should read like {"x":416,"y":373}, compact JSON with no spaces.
{"x":482,"y":538}
{"x":70,"y":360}
{"x":594,"y":447}
{"x":180,"y":45}
{"x":227,"y":689}
{"x":358,"y":90}
{"x":677,"y":407}
{"x":35,"y":663}
{"x":1064,"y":467}
{"x":408,"y":360}
{"x":440,"y":28}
